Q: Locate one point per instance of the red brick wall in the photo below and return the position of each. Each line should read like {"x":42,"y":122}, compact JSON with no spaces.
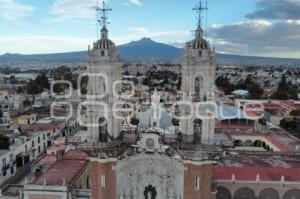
{"x":205,"y":172}
{"x":98,"y":169}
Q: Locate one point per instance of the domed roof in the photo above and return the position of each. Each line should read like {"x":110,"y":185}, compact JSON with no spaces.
{"x":103,"y":44}
{"x":165,"y":120}
{"x":199,"y":42}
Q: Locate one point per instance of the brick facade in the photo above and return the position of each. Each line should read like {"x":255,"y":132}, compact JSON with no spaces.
{"x":205,"y":172}
{"x":97,"y":169}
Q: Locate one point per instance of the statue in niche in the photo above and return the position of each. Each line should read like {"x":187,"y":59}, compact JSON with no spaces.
{"x":150,"y":192}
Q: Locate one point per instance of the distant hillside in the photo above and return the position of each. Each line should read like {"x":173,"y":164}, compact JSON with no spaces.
{"x":227,"y":58}
{"x":56,"y":57}
{"x":144,"y":49}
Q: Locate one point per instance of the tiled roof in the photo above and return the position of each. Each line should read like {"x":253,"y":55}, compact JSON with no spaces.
{"x":64,"y":170}
{"x":47,"y":160}
{"x":250,"y":173}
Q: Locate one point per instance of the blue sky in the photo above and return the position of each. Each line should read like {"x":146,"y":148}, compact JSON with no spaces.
{"x":45,"y":26}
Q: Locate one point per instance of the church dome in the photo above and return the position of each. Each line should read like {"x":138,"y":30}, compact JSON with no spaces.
{"x":103,"y":44}
{"x":199,"y":42}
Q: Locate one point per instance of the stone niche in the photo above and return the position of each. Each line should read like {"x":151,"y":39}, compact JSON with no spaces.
{"x":150,"y":176}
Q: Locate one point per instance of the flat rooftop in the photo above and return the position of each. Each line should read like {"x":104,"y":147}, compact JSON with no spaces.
{"x":64,"y":170}
{"x":260,"y":160}
{"x":269,"y":167}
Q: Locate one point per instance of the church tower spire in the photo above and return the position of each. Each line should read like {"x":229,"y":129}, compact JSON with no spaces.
{"x":104,"y":70}
{"x":104,"y":33}
{"x":104,"y":20}
{"x":199,"y":33}
{"x":198,"y":69}
{"x":200,"y":9}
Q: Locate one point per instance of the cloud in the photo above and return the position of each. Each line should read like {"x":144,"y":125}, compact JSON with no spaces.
{"x":276,"y":9}
{"x":258,"y":38}
{"x":178,"y":44}
{"x":78,"y":9}
{"x":74,"y":9}
{"x":32,"y":44}
{"x":135,"y":2}
{"x":147,"y":33}
{"x":140,"y":32}
{"x":13,"y":10}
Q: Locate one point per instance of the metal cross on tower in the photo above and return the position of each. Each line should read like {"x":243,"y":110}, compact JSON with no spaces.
{"x":102,"y":13}
{"x":200,"y":10}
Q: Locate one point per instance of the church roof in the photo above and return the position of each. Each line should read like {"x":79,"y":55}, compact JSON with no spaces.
{"x":103,"y":44}
{"x":64,"y":170}
{"x":250,"y":173}
{"x":199,"y":42}
{"x":165,"y":119}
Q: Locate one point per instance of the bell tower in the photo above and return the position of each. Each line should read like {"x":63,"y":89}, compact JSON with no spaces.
{"x":104,"y":71}
{"x":198,"y":83}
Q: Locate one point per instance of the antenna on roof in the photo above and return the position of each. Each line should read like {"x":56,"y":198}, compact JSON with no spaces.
{"x":206,"y":19}
{"x":200,"y":9}
{"x":102,"y":19}
{"x":97,"y":8}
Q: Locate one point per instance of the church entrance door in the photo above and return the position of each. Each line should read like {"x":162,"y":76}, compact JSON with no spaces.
{"x":150,"y":192}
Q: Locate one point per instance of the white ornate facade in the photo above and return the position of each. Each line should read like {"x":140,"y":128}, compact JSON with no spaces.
{"x":150,"y":174}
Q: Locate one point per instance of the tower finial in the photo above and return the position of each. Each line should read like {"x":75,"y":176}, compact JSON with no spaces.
{"x":104,"y":11}
{"x":200,"y":9}
{"x":102,"y":18}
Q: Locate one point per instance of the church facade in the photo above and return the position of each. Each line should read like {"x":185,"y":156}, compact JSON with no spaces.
{"x":149,"y":168}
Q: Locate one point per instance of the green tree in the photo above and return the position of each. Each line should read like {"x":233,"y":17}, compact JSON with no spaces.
{"x":42,"y":81}
{"x":282,"y":90}
{"x":295,"y":113}
{"x":33,"y":88}
{"x":224,"y":84}
{"x":291,"y":125}
{"x":286,"y":90}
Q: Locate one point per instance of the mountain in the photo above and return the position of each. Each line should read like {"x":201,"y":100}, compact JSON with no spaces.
{"x":235,"y":59}
{"x":55,"y":57}
{"x":144,"y":49}
{"x":147,"y":49}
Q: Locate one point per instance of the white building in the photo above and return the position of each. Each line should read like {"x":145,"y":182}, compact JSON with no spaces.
{"x":22,"y":151}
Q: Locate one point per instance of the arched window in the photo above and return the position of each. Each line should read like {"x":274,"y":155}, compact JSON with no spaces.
{"x":102,"y":125}
{"x":238,"y":143}
{"x":269,"y":193}
{"x":197,"y":126}
{"x":292,"y":194}
{"x":223,"y":193}
{"x":244,"y":193}
{"x":200,"y":53}
{"x":248,"y":143}
{"x":257,"y":143}
{"x":198,"y":86}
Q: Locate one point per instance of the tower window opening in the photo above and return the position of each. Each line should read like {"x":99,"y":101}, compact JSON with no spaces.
{"x":102,"y":53}
{"x":200,"y":53}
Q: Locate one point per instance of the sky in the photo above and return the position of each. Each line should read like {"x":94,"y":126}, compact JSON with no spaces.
{"x":245,"y":27}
